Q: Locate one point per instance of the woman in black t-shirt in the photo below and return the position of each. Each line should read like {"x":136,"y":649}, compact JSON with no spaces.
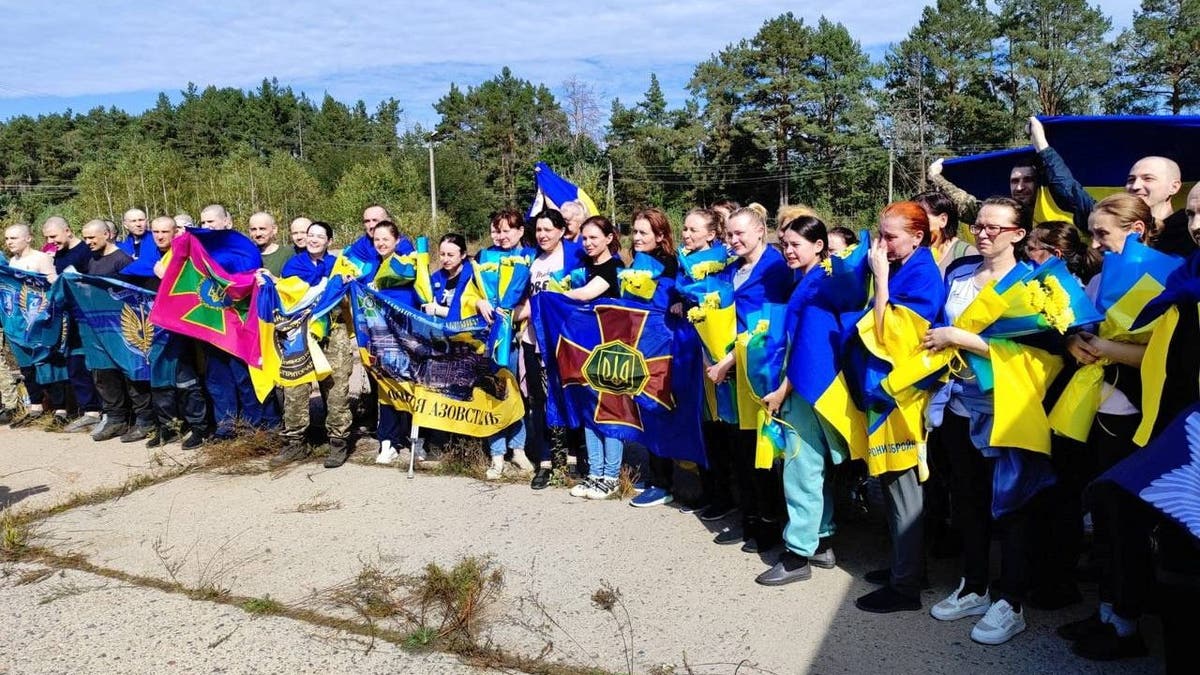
{"x":600,"y":243}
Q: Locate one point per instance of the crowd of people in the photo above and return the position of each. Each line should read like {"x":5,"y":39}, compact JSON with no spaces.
{"x":934,"y":450}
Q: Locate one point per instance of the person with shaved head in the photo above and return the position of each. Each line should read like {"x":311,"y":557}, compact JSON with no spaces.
{"x":226,"y":377}
{"x":71,"y":254}
{"x":67,"y":249}
{"x":299,"y":233}
{"x":1156,"y":180}
{"x":133,"y":222}
{"x":215,"y":217}
{"x":18,"y":241}
{"x":263,"y":232}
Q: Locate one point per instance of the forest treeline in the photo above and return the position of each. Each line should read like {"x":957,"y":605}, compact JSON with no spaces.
{"x":797,"y":112}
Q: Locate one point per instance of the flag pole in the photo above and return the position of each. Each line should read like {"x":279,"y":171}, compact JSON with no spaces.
{"x":414,"y":442}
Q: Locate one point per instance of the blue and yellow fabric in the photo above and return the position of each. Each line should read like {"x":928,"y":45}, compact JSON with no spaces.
{"x":1128,"y":282}
{"x":643,"y":281}
{"x":615,"y":367}
{"x":502,"y":278}
{"x":33,"y":321}
{"x":814,"y":369}
{"x":114,"y":324}
{"x":437,"y":370}
{"x":360,"y":259}
{"x":761,"y":356}
{"x":290,"y":314}
{"x":553,"y":191}
{"x":1164,"y":315}
{"x":405,"y":276}
{"x":461,"y":305}
{"x":895,"y":418}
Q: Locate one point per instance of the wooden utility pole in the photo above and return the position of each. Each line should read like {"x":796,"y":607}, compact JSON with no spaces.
{"x":432,"y":188}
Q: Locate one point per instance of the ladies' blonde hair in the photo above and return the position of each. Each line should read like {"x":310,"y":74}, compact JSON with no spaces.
{"x":757,"y":214}
{"x":713,"y":220}
{"x":790,"y":212}
{"x":1129,"y":209}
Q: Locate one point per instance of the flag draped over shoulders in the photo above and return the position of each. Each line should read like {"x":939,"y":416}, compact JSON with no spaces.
{"x":895,"y":419}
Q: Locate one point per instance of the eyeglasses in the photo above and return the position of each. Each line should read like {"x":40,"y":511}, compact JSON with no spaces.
{"x":993,"y":230}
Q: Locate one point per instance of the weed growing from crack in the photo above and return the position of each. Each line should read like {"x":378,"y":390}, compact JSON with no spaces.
{"x":608,"y":598}
{"x":462,"y":457}
{"x":318,"y":504}
{"x":15,"y":533}
{"x":263,"y":605}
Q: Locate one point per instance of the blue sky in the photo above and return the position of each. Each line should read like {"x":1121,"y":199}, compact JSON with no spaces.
{"x":79,"y":55}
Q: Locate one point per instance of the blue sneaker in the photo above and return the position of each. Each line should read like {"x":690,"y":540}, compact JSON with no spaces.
{"x":654,"y":496}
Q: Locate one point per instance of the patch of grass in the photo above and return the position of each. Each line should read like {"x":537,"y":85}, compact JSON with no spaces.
{"x":318,"y":504}
{"x":421,"y":638}
{"x":625,"y":482}
{"x":242,"y":454}
{"x":608,"y":598}
{"x":15,"y":533}
{"x":263,"y":605}
{"x":460,"y":457}
{"x":68,"y":589}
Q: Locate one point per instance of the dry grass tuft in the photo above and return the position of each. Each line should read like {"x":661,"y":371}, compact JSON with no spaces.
{"x":15,"y":533}
{"x":461,"y":457}
{"x":318,"y":504}
{"x":625,"y":483}
{"x":242,"y":454}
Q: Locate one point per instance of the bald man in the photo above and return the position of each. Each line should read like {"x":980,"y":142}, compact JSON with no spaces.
{"x":18,"y":241}
{"x":215,"y":217}
{"x":226,"y":377}
{"x":1155,"y":179}
{"x":299,"y":233}
{"x":68,"y":250}
{"x":263,"y":232}
{"x":133,"y":222}
{"x":363,"y":248}
{"x":1192,"y":213}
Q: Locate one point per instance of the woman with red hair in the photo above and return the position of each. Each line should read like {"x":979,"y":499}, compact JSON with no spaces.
{"x":908,"y":297}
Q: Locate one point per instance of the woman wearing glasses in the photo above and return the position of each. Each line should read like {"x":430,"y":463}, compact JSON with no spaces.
{"x":975,"y":460}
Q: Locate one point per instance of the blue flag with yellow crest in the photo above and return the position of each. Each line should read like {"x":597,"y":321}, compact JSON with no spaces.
{"x":115,"y":328}
{"x":621,"y":369}
{"x":33,"y":322}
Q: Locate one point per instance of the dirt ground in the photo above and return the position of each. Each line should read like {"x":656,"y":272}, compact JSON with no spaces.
{"x":681,"y":602}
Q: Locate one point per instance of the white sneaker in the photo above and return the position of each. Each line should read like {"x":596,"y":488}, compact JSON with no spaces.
{"x":522,"y":461}
{"x":387,"y":454}
{"x":955,"y":607}
{"x":581,"y":488}
{"x":601,"y":489}
{"x":999,"y":625}
{"x":496,"y":470}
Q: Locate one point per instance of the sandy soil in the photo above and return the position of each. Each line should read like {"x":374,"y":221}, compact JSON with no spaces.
{"x":683,"y":598}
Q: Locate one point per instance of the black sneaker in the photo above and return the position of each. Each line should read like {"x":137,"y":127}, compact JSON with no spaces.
{"x":1106,"y":645}
{"x":714,"y":512}
{"x":1055,"y":597}
{"x":541,"y":478}
{"x":728,"y":537}
{"x":162,"y":435}
{"x":339,"y":451}
{"x":293,"y":450}
{"x":692,"y":508}
{"x":751,"y":546}
{"x":887,"y":600}
{"x":194,"y":440}
{"x":136,"y":433}
{"x":1078,"y":630}
{"x":7,"y":415}
{"x":111,"y":430}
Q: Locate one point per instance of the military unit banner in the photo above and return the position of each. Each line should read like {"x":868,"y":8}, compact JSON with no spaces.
{"x":437,"y":370}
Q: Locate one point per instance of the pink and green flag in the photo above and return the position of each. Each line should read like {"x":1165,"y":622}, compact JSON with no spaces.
{"x":200,"y":299}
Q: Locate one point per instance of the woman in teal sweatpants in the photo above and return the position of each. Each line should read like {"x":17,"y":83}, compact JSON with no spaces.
{"x":813,"y":446}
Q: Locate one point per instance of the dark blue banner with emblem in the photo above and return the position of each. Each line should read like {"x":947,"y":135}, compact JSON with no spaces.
{"x":621,"y":369}
{"x":33,"y":323}
{"x":114,"y":325}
